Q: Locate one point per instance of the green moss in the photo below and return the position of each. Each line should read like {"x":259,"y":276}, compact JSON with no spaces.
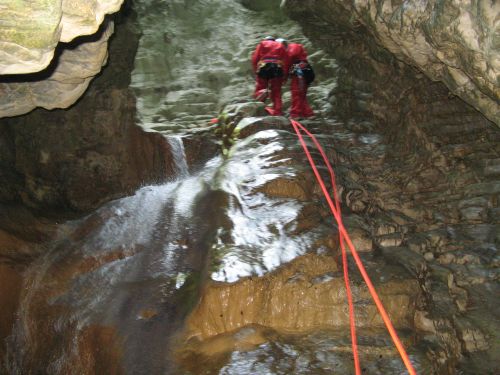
{"x":31,"y":26}
{"x":226,"y":133}
{"x":188,"y":293}
{"x":28,"y":38}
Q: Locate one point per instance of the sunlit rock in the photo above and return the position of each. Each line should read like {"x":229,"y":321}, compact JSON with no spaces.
{"x":30,"y":31}
{"x":62,"y":83}
{"x":39,"y":71}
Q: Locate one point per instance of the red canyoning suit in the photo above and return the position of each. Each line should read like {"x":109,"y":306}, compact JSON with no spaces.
{"x":270,"y":52}
{"x":300,"y":108}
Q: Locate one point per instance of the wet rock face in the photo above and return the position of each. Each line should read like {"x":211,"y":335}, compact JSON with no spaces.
{"x":115,"y":288}
{"x":418,"y":165}
{"x":10,"y":287}
{"x":263,"y":285}
{"x":22,"y":235}
{"x":306,"y":294}
{"x":73,"y":160}
{"x":29,"y":42}
{"x":449,"y":41}
{"x":418,"y":171}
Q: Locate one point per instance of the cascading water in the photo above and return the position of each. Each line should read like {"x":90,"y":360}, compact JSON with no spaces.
{"x":113,"y":293}
{"x":179,"y":155}
{"x":126,"y":276}
{"x":123,"y":268}
{"x":120,"y":286}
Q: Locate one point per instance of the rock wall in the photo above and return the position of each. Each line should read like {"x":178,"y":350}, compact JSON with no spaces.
{"x":10,"y":279}
{"x":454,"y":42}
{"x":30,"y":31}
{"x":29,"y":42}
{"x":65,"y":162}
{"x":428,"y":162}
{"x":48,"y":158}
{"x":299,"y":297}
{"x":62,"y":82}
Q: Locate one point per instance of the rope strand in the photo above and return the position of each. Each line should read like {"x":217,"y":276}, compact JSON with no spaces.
{"x":335,"y":208}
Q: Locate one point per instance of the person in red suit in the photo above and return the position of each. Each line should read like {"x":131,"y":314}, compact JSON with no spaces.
{"x":302,"y":76}
{"x":270,"y":65}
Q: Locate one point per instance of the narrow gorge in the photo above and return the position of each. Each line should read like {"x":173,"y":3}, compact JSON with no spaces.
{"x":140,"y":236}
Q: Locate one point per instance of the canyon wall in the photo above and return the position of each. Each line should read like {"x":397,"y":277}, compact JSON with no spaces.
{"x":455,"y":42}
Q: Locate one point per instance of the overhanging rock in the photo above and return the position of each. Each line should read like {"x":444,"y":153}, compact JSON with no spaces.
{"x":31,"y":30}
{"x":38,"y":71}
{"x":451,"y":41}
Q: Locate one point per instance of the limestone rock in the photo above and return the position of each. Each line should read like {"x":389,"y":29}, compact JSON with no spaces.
{"x":10,"y":288}
{"x":30,"y":31}
{"x":451,"y":41}
{"x":62,"y":83}
{"x":305,"y":294}
{"x":252,"y":125}
{"x":49,"y":167}
{"x":248,"y":109}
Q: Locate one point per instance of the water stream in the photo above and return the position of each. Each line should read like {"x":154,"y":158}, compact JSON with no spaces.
{"x":112,"y":293}
{"x":130,"y":266}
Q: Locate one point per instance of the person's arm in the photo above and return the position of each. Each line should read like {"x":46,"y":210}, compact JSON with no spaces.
{"x":303,"y":53}
{"x":255,"y":58}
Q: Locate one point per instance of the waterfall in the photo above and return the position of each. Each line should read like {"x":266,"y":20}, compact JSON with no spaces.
{"x":179,"y":155}
{"x":126,"y":268}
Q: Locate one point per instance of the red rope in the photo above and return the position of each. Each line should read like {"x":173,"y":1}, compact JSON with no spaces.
{"x":352,"y":322}
{"x":335,"y":208}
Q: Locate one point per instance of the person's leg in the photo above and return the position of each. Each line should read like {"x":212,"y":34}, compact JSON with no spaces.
{"x":296,"y":109}
{"x":276,"y":84}
{"x":260,"y":87}
{"x":306,"y":109}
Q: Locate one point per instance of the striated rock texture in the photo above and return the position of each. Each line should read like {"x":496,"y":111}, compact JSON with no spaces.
{"x":423,"y":172}
{"x":306,"y":294}
{"x":30,"y":31}
{"x":455,"y":42}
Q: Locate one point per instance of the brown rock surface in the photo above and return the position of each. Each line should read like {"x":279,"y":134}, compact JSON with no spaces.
{"x":415,"y":164}
{"x":303,"y":295}
{"x":10,"y":289}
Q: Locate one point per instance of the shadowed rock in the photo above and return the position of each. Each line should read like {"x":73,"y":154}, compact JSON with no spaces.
{"x":449,"y":41}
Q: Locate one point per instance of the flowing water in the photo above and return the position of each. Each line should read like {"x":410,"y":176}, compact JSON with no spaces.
{"x":113,"y":293}
{"x":130,"y":266}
